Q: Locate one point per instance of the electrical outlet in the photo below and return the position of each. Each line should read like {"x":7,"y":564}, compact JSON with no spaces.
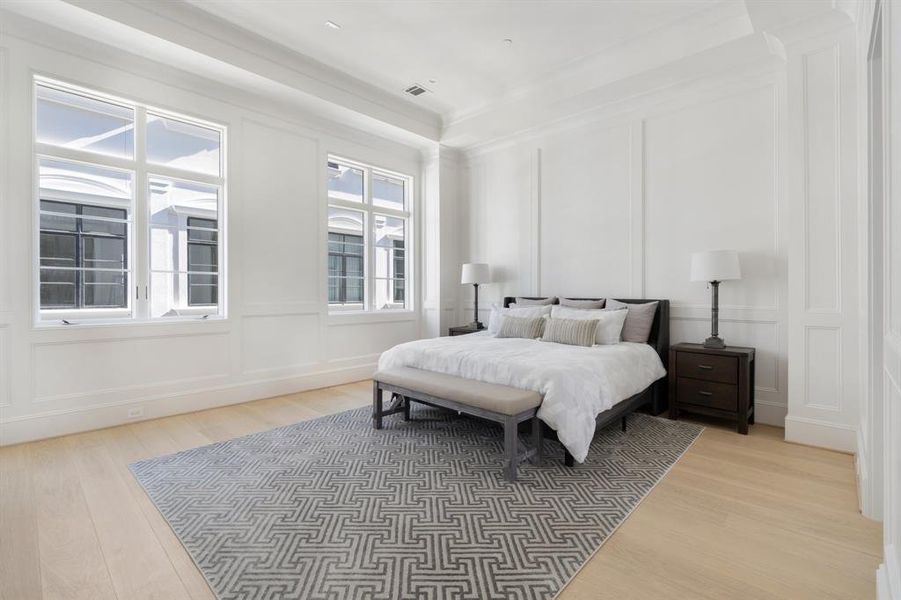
{"x":135,"y":413}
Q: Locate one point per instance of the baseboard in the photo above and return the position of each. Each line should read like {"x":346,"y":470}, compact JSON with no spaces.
{"x":17,"y":430}
{"x":823,"y":434}
{"x":770,"y":413}
{"x":888,"y":576}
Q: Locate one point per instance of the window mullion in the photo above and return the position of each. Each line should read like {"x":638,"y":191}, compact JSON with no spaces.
{"x":391,"y":212}
{"x":82,"y":156}
{"x":369,"y":246}
{"x":348,"y":204}
{"x":140,"y":279}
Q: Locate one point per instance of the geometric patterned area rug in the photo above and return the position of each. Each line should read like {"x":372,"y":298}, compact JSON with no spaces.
{"x":331,"y":509}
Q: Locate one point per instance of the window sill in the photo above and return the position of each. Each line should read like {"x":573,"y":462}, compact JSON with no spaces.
{"x":356,"y":317}
{"x":128,"y":329}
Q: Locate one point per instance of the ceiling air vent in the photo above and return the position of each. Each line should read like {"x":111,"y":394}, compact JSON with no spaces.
{"x":415,"y":90}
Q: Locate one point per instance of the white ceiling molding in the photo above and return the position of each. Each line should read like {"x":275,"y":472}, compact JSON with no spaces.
{"x":718,"y":40}
{"x":624,"y":109}
{"x":761,"y":50}
{"x":179,"y":34}
{"x":716,"y":24}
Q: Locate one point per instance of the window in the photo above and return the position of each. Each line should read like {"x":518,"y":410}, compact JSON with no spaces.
{"x":368,"y":229}
{"x":125,"y":232}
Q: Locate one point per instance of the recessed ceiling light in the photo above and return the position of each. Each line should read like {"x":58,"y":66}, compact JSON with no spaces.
{"x":433,"y":81}
{"x":332,"y":25}
{"x":508,"y":42}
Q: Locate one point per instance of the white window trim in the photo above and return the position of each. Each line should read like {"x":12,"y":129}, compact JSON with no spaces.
{"x":137,"y":311}
{"x":338,"y":313}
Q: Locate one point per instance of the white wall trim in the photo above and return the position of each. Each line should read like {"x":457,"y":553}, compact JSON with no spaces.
{"x":637,"y":208}
{"x":823,"y":434}
{"x":25,"y":428}
{"x":769,"y":412}
{"x":535,"y":222}
{"x":888,"y":576}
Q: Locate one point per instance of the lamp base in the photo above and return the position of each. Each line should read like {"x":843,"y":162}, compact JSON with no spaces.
{"x":714,"y":341}
{"x":476,"y":325}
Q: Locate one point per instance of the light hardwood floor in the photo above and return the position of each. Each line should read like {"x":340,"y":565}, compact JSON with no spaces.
{"x":737,"y":517}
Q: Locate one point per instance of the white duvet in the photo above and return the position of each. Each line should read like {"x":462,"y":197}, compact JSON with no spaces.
{"x":577,"y":383}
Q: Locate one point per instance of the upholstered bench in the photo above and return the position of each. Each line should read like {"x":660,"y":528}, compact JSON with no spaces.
{"x":500,"y":403}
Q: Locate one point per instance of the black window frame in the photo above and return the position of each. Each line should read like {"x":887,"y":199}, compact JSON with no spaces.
{"x":341,"y":278}
{"x":80,"y":236}
{"x":195,"y":276}
{"x":400,"y":271}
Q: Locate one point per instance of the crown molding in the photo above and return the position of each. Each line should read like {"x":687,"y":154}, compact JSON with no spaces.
{"x":757,"y":53}
{"x":179,"y":34}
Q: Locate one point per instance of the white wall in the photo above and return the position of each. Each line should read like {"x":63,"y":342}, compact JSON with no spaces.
{"x":614,"y":206}
{"x":278,"y":337}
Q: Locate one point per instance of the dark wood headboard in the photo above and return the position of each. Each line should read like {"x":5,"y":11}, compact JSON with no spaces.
{"x":658,"y":338}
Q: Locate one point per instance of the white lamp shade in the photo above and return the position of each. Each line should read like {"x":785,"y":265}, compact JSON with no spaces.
{"x":715,"y":265}
{"x":475,"y":273}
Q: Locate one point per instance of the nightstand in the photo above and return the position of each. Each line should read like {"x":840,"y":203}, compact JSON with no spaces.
{"x":717,"y":382}
{"x":464,"y":329}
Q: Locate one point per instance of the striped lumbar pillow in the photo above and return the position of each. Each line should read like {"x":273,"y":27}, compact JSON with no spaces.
{"x":575,"y":332}
{"x":521,"y":327}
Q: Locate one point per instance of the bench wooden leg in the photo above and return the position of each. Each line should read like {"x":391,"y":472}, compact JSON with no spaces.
{"x":624,"y":423}
{"x":568,"y":458}
{"x":537,"y":439}
{"x":376,"y":405}
{"x":511,"y":455}
{"x":406,"y":408}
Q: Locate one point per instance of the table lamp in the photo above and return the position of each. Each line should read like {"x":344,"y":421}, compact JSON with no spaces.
{"x":475,"y":273}
{"x":714,"y":266}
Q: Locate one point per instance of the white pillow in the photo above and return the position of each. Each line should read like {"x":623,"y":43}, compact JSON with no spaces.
{"x":611,"y":323}
{"x":529,"y":312}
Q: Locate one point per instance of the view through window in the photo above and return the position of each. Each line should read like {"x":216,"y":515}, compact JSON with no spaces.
{"x":368,"y":237}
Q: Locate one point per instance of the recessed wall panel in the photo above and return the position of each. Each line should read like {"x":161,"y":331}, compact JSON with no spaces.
{"x":710,"y":184}
{"x":87,"y":367}
{"x":822,"y":198}
{"x":351,"y":341}
{"x":585,"y":213}
{"x":823,"y":368}
{"x":279,"y":341}
{"x":280,"y":216}
{"x":500,"y":218}
{"x":5,"y":369}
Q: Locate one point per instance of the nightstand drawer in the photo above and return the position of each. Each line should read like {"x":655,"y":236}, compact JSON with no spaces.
{"x":708,"y":367}
{"x":707,"y":393}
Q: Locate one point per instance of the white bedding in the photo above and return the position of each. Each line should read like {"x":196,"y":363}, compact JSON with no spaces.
{"x":577,"y":383}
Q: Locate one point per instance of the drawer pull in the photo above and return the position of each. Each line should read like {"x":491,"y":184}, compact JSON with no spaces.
{"x":705,"y":367}
{"x":703,"y":393}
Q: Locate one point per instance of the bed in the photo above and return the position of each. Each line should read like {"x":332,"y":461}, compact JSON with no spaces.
{"x":583,"y":389}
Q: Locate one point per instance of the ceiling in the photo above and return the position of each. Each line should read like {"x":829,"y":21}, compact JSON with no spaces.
{"x":458,"y":44}
{"x":567,"y":57}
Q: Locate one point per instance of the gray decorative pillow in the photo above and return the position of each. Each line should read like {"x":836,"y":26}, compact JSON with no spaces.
{"x":521,"y":327}
{"x":575,"y":332}
{"x":582,"y":303}
{"x":520,"y":301}
{"x":637,"y":327}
